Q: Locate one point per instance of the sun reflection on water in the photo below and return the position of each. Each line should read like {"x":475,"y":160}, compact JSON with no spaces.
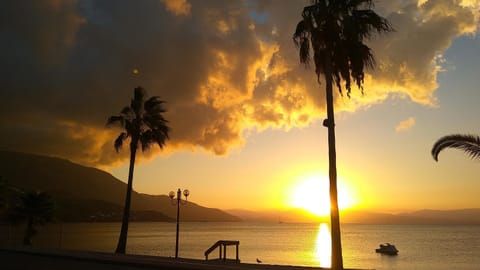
{"x":323,"y":248}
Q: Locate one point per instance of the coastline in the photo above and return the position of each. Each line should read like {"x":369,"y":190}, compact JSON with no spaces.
{"x":34,"y":258}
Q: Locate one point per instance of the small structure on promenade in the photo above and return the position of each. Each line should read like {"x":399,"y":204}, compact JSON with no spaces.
{"x":222,"y":245}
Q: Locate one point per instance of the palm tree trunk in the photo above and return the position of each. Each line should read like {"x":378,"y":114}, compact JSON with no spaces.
{"x":122,"y":240}
{"x":29,"y":232}
{"x":337,"y":260}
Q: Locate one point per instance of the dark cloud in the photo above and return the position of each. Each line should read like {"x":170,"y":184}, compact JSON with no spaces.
{"x":223,"y":67}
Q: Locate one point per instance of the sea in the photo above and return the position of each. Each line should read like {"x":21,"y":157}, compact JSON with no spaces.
{"x":421,"y":247}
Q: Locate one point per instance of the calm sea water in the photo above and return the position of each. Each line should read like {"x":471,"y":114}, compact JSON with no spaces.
{"x":421,"y":246}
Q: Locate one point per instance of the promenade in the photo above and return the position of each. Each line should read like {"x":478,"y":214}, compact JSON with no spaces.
{"x":41,"y":259}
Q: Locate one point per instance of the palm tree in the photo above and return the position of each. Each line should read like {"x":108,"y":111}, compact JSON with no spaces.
{"x":334,"y":31}
{"x":470,"y":144}
{"x":144,"y":124}
{"x":34,"y":207}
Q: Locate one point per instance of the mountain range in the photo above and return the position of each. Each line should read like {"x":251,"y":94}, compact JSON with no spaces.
{"x":427,"y":216}
{"x":89,"y":194}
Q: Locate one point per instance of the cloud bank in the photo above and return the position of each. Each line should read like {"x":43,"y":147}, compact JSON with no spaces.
{"x":226,"y":69}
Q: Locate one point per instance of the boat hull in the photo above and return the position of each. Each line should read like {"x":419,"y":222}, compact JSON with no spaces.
{"x":386,"y":252}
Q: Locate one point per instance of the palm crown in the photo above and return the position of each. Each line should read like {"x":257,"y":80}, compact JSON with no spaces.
{"x":335,"y":31}
{"x":142,"y":121}
{"x":34,"y":208}
{"x":35,"y":205}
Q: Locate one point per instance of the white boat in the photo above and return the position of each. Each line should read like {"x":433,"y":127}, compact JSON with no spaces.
{"x":387,"y":248}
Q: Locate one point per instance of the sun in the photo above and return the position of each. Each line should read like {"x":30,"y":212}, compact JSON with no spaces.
{"x":311,"y":193}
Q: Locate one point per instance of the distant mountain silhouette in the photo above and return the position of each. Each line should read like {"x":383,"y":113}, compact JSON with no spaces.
{"x":85,"y":193}
{"x":440,"y":217}
{"x":293,"y":215}
{"x":459,"y":216}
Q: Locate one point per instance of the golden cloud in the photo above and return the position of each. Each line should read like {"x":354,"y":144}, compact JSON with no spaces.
{"x":177,"y":7}
{"x":224,"y":72}
{"x":405,"y":125}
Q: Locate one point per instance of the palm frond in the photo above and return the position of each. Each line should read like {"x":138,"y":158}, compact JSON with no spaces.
{"x":162,"y":135}
{"x":470,"y":144}
{"x":155,"y":121}
{"x":363,"y":23}
{"x":301,"y":40}
{"x":116,"y":119}
{"x":119,"y":141}
{"x":154,"y":106}
{"x":147,"y":139}
{"x":158,"y":135}
{"x":127,"y":112}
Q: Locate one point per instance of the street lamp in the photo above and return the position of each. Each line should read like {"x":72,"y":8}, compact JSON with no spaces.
{"x":177,"y":203}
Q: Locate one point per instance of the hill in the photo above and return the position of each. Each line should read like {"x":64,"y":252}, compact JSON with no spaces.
{"x":293,"y":215}
{"x":437,"y":217}
{"x":447,"y":217}
{"x":84,"y":193}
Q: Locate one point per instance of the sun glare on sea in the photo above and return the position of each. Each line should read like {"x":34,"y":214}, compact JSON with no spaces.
{"x":323,"y":249}
{"x":311,"y":193}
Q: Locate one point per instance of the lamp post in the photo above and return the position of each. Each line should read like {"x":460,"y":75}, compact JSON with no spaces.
{"x":177,"y":203}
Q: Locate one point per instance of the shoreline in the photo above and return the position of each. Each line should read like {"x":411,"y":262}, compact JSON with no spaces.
{"x":34,"y":258}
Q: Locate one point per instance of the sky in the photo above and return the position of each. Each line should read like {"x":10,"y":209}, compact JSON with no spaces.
{"x":245,"y":116}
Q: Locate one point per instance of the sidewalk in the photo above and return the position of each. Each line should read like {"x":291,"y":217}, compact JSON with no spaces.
{"x":39,"y":259}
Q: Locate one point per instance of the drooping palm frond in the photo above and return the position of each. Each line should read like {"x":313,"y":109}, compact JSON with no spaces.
{"x":119,"y":141}
{"x":470,"y":144}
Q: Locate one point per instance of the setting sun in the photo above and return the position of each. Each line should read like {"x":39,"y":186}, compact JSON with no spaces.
{"x":311,"y":193}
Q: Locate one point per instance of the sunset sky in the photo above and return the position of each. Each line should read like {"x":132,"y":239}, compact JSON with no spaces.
{"x":245,"y":115}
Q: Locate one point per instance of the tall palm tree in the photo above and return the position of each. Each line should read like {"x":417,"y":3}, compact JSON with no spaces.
{"x":144,"y":124}
{"x":334,"y":32}
{"x":470,"y":144}
{"x":35,"y":208}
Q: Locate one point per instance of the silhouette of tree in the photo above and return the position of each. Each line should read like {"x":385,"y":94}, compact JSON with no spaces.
{"x":7,"y":194}
{"x":143,"y":123}
{"x":470,"y":144}
{"x":334,"y":31}
{"x":33,"y":207}
{"x":3,"y":193}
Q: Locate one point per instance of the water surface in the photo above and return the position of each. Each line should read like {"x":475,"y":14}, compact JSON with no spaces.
{"x":421,"y":246}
